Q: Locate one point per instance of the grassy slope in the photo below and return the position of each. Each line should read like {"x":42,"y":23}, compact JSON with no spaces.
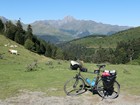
{"x":110,"y":41}
{"x":12,"y":67}
{"x":24,"y":56}
{"x":51,"y":78}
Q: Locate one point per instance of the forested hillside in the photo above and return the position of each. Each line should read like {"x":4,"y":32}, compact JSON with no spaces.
{"x":27,"y":39}
{"x":121,"y":47}
{"x":95,"y":41}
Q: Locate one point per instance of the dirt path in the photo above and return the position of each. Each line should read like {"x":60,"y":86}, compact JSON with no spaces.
{"x":39,"y":98}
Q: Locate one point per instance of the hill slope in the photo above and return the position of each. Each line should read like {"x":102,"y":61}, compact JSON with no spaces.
{"x":50,"y":78}
{"x":24,"y":55}
{"x":12,"y":68}
{"x":107,"y":41}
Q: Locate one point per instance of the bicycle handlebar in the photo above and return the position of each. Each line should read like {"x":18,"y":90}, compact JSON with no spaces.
{"x":101,"y":66}
{"x":97,"y":71}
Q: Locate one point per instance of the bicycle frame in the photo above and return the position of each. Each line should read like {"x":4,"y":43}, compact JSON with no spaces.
{"x":78,"y":75}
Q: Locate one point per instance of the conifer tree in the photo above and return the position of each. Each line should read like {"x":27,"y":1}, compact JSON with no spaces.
{"x":48,"y":52}
{"x":1,"y":27}
{"x":10,"y":30}
{"x":19,"y":26}
{"x":20,"y":34}
{"x":29,"y":33}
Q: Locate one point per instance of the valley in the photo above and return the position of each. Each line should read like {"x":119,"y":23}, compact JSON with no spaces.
{"x":28,"y":77}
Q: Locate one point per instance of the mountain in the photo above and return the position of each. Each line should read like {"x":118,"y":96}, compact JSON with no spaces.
{"x":70,"y":28}
{"x":95,"y":41}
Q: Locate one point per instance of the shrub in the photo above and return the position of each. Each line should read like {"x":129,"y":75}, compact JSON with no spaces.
{"x":33,"y":66}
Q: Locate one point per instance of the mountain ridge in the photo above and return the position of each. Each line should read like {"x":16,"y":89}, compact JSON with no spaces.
{"x":95,"y":41}
{"x":70,"y":28}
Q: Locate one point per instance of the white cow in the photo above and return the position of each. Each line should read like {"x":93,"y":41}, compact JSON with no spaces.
{"x":13,"y":51}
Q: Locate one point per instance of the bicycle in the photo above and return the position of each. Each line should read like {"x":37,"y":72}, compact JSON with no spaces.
{"x":106,"y":87}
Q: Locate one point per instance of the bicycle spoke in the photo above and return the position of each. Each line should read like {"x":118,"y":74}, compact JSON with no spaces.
{"x":111,"y":91}
{"x":74,"y":86}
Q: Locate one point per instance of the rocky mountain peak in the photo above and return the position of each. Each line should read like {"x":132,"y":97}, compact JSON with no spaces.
{"x":69,"y":19}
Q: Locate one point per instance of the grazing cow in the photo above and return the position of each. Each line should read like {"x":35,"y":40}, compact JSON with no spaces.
{"x":12,"y":46}
{"x":13,"y":51}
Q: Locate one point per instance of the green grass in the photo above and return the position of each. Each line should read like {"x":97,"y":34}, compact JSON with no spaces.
{"x":14,"y":77}
{"x":51,"y":78}
{"x":128,"y":77}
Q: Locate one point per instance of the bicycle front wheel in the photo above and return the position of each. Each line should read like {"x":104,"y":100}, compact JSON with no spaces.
{"x":74,"y":86}
{"x":107,"y":92}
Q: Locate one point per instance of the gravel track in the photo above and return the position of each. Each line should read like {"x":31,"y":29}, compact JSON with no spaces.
{"x":39,"y":98}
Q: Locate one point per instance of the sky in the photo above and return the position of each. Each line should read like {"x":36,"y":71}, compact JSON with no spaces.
{"x":114,"y":12}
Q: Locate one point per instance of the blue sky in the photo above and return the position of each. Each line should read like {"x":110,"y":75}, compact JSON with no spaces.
{"x":115,"y":12}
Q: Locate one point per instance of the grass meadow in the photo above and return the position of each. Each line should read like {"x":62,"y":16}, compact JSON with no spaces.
{"x":50,"y":78}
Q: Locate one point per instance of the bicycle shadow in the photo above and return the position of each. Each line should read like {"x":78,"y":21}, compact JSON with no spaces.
{"x":95,"y":92}
{"x":92,"y":90}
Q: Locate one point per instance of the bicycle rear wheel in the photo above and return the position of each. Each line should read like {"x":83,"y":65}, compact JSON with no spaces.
{"x":74,"y":86}
{"x":107,"y":92}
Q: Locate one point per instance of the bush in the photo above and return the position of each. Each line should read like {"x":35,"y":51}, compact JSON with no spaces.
{"x":29,"y":44}
{"x":1,"y":56}
{"x":33,"y":66}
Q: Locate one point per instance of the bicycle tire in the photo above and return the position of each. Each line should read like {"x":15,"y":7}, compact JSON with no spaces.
{"x":104,"y":93}
{"x":74,"y":86}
